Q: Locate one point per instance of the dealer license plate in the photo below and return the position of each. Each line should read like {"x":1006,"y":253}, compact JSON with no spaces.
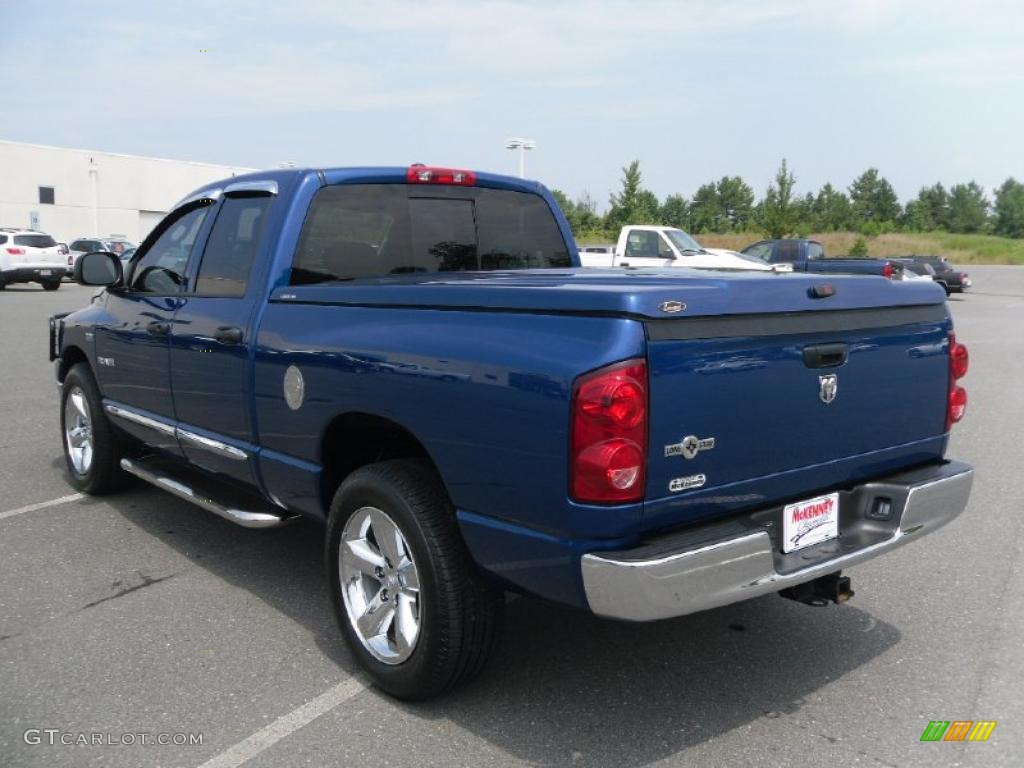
{"x":810,"y":522}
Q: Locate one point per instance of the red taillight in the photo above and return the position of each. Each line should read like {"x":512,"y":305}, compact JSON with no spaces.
{"x":957,"y":404}
{"x":609,"y":434}
{"x":16,"y":251}
{"x":422,"y":174}
{"x":959,"y":361}
{"x":887,"y":270}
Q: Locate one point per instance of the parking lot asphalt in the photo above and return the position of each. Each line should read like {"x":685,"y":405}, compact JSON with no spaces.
{"x":139,"y":613}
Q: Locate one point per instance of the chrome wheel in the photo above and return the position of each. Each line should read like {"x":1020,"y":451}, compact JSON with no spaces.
{"x":78,"y":431}
{"x":380,"y":585}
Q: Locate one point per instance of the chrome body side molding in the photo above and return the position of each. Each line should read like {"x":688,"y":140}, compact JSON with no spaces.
{"x":209,"y":444}
{"x":184,"y":435}
{"x":129,"y":414}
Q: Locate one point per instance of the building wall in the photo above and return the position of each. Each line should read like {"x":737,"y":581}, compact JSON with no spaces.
{"x":131,"y":193}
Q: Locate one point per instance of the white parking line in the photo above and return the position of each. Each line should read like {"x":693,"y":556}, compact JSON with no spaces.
{"x":267,"y":737}
{"x":42,"y":505}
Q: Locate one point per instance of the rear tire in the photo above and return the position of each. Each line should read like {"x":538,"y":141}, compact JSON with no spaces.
{"x":444,"y":617}
{"x":92,"y":447}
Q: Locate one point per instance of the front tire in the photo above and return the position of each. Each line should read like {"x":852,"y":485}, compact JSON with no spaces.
{"x":409,"y":602}
{"x":51,"y":285}
{"x":92,"y":449}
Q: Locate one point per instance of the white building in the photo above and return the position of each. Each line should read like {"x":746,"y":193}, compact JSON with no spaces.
{"x":72,"y":193}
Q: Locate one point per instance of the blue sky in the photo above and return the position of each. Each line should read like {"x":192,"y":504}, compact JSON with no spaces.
{"x":925,"y":91}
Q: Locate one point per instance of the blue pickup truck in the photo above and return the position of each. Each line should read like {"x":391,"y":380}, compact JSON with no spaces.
{"x":809,"y":256}
{"x":413,"y":357}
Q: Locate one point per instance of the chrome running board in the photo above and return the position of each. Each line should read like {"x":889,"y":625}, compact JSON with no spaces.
{"x":157,"y":474}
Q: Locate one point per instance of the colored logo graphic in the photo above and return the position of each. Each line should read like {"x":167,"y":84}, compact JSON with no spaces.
{"x":958,"y":730}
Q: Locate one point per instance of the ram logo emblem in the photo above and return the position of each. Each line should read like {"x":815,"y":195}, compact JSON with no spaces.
{"x":828,"y":387}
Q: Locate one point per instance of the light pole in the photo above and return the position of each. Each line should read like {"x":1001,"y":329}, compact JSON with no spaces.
{"x":522,"y":145}
{"x":94,"y":177}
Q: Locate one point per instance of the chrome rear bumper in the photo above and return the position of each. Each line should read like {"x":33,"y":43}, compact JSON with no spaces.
{"x":721,"y":563}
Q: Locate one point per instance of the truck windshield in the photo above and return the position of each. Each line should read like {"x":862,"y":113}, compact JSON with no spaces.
{"x":682,"y":241}
{"x":371,"y":230}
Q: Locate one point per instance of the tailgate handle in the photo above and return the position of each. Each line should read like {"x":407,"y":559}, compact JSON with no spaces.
{"x":826,"y":355}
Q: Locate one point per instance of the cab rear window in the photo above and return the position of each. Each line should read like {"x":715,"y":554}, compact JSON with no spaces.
{"x":373,"y":230}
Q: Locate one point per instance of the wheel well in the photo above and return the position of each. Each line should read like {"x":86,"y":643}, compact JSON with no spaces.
{"x":70,"y":356}
{"x":354,"y":440}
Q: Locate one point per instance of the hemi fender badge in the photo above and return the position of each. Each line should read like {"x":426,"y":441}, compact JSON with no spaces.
{"x":690,"y":446}
{"x":672,"y":306}
{"x":686,"y":483}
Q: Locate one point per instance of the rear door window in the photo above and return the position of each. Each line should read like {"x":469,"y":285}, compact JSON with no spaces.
{"x":786,"y":250}
{"x":374,"y":230}
{"x":815,"y":251}
{"x":231,"y":248}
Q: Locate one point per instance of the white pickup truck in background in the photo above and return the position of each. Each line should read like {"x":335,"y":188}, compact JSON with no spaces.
{"x":653,"y":246}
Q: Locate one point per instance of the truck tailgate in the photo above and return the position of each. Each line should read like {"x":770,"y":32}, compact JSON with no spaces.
{"x":745,"y":410}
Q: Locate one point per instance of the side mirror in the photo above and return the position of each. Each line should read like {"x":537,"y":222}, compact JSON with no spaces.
{"x":98,"y":268}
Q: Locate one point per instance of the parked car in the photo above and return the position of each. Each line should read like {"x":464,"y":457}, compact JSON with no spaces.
{"x":28,"y":256}
{"x":85,"y":245}
{"x":665,"y":247}
{"x":413,"y":357}
{"x":809,"y":256}
{"x":953,"y":279}
{"x":915,"y":270}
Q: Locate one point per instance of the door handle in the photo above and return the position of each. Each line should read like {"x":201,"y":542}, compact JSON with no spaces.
{"x":157,"y":328}
{"x":826,"y":355}
{"x":228,"y":334}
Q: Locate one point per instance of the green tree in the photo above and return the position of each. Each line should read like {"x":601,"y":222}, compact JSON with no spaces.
{"x":1009,"y":209}
{"x":929,"y":210}
{"x":675,"y":212}
{"x":735,"y":202}
{"x":633,"y":204}
{"x":831,"y":210}
{"x":872,"y":199}
{"x":581,"y":214}
{"x":779,"y":212}
{"x":859,"y":249}
{"x":968,"y":208}
{"x":705,"y":212}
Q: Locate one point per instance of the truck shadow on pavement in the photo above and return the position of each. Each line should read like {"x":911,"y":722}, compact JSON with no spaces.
{"x":563,"y":687}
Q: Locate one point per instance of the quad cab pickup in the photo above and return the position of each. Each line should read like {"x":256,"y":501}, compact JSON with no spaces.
{"x":809,"y":256}
{"x":413,"y":358}
{"x":666,"y":248}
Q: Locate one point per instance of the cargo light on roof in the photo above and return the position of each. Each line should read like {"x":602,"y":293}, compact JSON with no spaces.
{"x":425,"y":174}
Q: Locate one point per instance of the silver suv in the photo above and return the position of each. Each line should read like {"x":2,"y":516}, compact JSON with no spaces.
{"x":27,"y":256}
